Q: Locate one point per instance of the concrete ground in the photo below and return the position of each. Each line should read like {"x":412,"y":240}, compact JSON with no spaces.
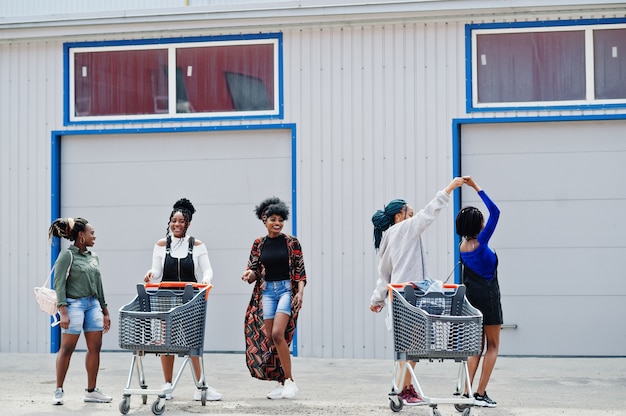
{"x":521,"y":386}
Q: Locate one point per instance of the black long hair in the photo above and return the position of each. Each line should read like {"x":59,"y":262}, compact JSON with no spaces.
{"x":469,"y":222}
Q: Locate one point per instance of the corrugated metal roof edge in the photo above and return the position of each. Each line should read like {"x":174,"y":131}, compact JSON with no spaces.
{"x":288,"y":14}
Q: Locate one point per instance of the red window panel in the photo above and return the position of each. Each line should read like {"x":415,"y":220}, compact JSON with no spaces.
{"x":208,"y":79}
{"x":120,"y":82}
{"x":530,"y":67}
{"x":225,"y":78}
{"x":609,"y":47}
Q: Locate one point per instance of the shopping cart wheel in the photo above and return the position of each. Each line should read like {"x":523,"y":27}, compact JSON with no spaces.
{"x":203,"y":397}
{"x":395,"y":403}
{"x":125,"y":405}
{"x":157,"y":408}
{"x":144,"y":398}
{"x":467,"y":412}
{"x":436,"y":412}
{"x":460,"y":408}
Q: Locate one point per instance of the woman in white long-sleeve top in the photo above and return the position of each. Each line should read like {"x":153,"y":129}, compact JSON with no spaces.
{"x":398,"y":240}
{"x":181,"y":258}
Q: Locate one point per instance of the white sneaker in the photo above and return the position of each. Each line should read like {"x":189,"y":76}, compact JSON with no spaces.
{"x":277,"y":393}
{"x":212,"y":395}
{"x":167,"y":389}
{"x":58,"y":396}
{"x":289,"y":389}
{"x":97,"y":396}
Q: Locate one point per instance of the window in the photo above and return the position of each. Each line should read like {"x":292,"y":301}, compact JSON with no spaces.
{"x":194,"y":79}
{"x":543,"y":66}
{"x":117,"y":83}
{"x":208,"y":72}
{"x":609,"y":48}
{"x":547,"y":66}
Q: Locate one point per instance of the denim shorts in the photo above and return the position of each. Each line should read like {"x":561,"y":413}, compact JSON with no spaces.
{"x":85,"y":314}
{"x":276,"y":298}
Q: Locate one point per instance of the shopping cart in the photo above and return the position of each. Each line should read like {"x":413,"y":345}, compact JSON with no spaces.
{"x":165,"y":318}
{"x":433,"y":326}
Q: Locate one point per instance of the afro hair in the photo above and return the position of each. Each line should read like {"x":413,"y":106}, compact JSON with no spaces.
{"x":272,"y":206}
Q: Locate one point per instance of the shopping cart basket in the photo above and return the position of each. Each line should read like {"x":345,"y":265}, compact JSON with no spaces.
{"x":433,"y":326}
{"x":165,"y":318}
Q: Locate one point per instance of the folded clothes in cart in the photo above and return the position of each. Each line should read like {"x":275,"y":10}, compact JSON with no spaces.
{"x":429,"y":286}
{"x":435,"y":299}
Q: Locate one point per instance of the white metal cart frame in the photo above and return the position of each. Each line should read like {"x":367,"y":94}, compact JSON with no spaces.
{"x":433,"y":326}
{"x":165,"y":318}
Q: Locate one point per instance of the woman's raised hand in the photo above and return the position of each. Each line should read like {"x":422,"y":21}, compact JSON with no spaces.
{"x":456,"y":183}
{"x":470,"y":182}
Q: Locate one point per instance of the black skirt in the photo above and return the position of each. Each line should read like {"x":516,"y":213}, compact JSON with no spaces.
{"x":484,"y":295}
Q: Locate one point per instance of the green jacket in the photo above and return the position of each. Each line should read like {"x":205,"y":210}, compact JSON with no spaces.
{"x":83,"y":280}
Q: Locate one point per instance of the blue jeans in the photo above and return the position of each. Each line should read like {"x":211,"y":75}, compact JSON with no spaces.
{"x":85,"y":314}
{"x":276,"y":298}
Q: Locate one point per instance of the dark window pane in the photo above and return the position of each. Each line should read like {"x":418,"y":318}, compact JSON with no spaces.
{"x":527,"y":67}
{"x":610,"y":63}
{"x":226,"y":78}
{"x":120,"y":82}
{"x":247,"y":92}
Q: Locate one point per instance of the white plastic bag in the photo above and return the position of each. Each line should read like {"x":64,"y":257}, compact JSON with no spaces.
{"x":47,"y":300}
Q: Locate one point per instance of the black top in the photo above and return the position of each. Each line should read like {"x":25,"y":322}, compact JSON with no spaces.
{"x":275,"y":258}
{"x":179,"y":270}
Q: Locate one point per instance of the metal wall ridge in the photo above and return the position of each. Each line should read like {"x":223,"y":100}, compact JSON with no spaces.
{"x":289,"y":14}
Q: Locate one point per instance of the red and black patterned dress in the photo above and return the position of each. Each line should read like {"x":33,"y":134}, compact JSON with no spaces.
{"x":261,"y":356}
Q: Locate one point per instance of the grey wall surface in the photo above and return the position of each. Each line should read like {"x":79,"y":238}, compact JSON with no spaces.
{"x":559,"y":239}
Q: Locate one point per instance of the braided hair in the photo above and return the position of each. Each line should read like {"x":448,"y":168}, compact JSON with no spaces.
{"x":67,"y":228}
{"x":469,"y":222}
{"x":185,"y":207}
{"x":272,"y":206}
{"x":384,"y":218}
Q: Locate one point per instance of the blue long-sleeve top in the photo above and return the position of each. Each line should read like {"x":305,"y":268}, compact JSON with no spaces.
{"x":483,"y":260}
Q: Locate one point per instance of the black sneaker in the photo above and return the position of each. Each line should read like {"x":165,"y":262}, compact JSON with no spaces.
{"x":484,"y":400}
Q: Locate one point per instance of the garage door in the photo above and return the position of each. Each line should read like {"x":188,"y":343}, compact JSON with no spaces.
{"x":125,"y":185}
{"x":560,"y":239}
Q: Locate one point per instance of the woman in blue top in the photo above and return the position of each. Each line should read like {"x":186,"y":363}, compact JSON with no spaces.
{"x":480,"y":276}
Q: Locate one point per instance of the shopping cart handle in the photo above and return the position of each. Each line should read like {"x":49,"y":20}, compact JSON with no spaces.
{"x":400,"y":286}
{"x":179,"y":285}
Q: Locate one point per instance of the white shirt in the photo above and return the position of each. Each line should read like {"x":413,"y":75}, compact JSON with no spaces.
{"x":201,"y":264}
{"x":401,"y":250}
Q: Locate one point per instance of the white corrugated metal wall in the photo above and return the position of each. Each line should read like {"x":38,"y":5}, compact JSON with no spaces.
{"x":12,"y":8}
{"x":370,"y":128}
{"x":372,"y":104}
{"x":31,"y":76}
